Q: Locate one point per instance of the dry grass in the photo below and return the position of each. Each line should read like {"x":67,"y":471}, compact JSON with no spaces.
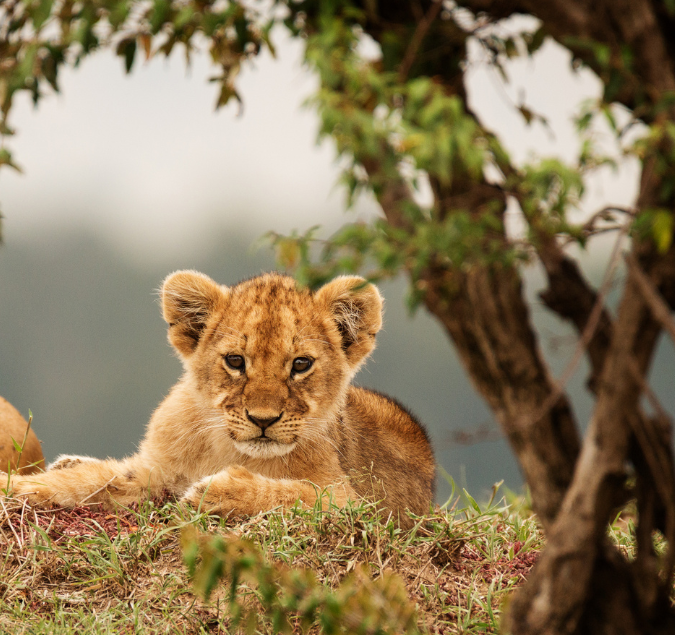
{"x":89,"y":570}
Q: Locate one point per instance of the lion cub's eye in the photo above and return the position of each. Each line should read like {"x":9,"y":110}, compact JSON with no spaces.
{"x":235,"y":362}
{"x":301,"y":364}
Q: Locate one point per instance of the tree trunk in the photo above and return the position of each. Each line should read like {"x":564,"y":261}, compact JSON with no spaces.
{"x":580,"y":583}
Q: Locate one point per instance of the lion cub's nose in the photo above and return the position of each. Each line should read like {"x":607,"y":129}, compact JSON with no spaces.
{"x":263,"y":422}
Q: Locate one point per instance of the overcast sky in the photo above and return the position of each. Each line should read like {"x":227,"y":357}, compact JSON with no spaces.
{"x":145,"y":159}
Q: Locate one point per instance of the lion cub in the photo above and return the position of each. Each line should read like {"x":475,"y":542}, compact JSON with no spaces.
{"x":264,"y":414}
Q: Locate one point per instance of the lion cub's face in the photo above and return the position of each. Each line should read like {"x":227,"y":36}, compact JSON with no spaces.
{"x":272,"y":360}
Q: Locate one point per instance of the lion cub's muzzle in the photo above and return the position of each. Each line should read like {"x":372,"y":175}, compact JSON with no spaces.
{"x":271,"y":440}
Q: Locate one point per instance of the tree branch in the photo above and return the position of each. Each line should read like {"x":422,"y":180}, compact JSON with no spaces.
{"x":657,"y":305}
{"x":591,"y":321}
{"x":420,"y":31}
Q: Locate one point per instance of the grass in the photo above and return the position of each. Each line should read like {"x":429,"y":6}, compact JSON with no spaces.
{"x":92,"y":571}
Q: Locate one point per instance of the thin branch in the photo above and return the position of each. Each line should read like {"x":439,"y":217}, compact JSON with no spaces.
{"x":591,"y":233}
{"x":607,"y":214}
{"x":479,"y":434}
{"x":417,"y":38}
{"x":657,"y":305}
{"x":587,"y":334}
{"x":606,"y":211}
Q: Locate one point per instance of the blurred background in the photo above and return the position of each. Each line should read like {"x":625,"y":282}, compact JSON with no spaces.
{"x":127,"y":178}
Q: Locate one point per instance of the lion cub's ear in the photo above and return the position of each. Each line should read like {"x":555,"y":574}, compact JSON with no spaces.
{"x":188,"y":300}
{"x":356,"y":306}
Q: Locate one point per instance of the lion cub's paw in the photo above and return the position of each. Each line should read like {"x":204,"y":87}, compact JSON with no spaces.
{"x":228,"y":492}
{"x":30,"y":488}
{"x":66,"y":461}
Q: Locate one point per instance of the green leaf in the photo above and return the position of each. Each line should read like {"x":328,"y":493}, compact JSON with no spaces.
{"x":510,"y":48}
{"x":662,"y":230}
{"x":43,"y":534}
{"x":50,"y":64}
{"x":535,"y":40}
{"x":183,"y":17}
{"x":159,"y":14}
{"x":17,"y":445}
{"x":227,"y":92}
{"x":119,"y":13}
{"x":609,"y":116}
{"x":6,"y":159}
{"x":85,"y":32}
{"x":472,"y":501}
{"x":127,"y":49}
{"x":584,"y":121}
{"x":190,"y":545}
{"x":603,"y":53}
{"x":40,"y":13}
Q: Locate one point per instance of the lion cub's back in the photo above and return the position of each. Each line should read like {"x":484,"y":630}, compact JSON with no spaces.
{"x":382,"y":439}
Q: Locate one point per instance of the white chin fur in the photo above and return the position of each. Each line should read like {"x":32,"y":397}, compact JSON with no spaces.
{"x":267,"y":450}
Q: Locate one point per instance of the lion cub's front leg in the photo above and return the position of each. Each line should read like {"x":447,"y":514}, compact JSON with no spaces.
{"x":239,"y":492}
{"x":74,"y":481}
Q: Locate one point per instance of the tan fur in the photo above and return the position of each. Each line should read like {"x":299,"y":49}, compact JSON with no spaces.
{"x":13,"y":428}
{"x":205,"y":440}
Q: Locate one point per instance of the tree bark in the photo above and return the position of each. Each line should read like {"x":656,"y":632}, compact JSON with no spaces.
{"x":577,"y":558}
